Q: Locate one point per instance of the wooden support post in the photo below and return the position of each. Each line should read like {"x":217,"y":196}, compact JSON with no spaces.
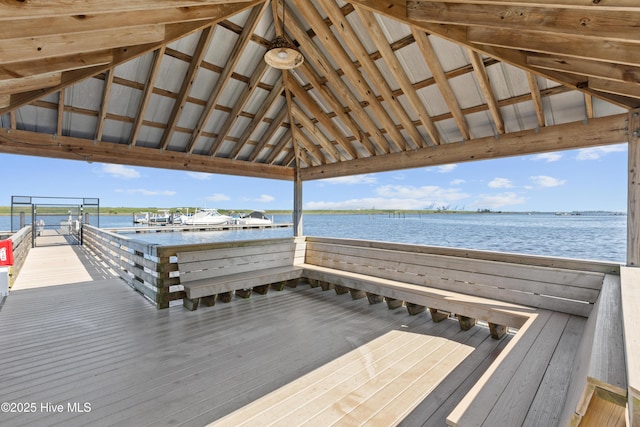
{"x":209,"y":301}
{"x":340,"y":289}
{"x":243,"y":293}
{"x":633,"y":199}
{"x":374,"y":298}
{"x":325,"y":286}
{"x":262,"y":289}
{"x":393,"y":303}
{"x":414,"y":309}
{"x":313,"y":283}
{"x":278,"y":286}
{"x":437,"y":315}
{"x":466,"y":323}
{"x":497,"y":331}
{"x":297,"y":204}
{"x":293,"y":283}
{"x":357,"y":294}
{"x":225,"y":297}
{"x":191,"y":304}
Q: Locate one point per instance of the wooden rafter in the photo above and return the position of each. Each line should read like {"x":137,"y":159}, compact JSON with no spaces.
{"x":487,"y":91}
{"x":536,"y":98}
{"x":187,"y":84}
{"x":104,"y":105}
{"x":146,"y":94}
{"x":399,"y":74}
{"x":225,"y":75}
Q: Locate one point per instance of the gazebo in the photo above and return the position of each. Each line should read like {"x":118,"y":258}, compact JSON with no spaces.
{"x":354,"y":87}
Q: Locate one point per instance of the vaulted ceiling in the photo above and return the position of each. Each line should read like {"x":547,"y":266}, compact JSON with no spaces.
{"x":182,"y":84}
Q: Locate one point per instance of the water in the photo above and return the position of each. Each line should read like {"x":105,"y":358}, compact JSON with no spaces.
{"x":583,"y":237}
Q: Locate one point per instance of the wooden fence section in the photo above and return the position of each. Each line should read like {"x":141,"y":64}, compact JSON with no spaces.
{"x":21,"y":242}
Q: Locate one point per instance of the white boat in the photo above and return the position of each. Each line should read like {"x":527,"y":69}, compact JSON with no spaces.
{"x":163,"y":216}
{"x":254,"y":218}
{"x":141,"y":218}
{"x":207,"y":217}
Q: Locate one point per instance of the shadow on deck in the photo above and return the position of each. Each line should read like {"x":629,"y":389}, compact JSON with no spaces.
{"x":96,"y":343}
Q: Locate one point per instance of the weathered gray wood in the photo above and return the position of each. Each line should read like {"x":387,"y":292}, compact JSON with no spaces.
{"x":357,"y":294}
{"x":497,"y":331}
{"x":414,"y":309}
{"x":393,"y":303}
{"x":374,"y":299}
{"x":209,"y":301}
{"x":191,"y":304}
{"x":262,"y":289}
{"x":243,"y":293}
{"x":340,"y":290}
{"x":630,"y":297}
{"x":465,"y":322}
{"x":438,"y":315}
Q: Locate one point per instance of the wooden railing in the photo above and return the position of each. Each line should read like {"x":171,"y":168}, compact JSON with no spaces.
{"x":21,"y":242}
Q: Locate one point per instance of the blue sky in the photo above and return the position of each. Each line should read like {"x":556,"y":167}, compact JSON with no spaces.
{"x":587,"y":179}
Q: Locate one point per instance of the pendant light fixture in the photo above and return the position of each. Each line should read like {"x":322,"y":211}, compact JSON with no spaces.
{"x":282,"y":54}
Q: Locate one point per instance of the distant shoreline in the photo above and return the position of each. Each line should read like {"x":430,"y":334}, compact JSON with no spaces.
{"x":121,"y":211}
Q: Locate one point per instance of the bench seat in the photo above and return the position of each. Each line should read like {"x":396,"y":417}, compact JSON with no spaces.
{"x":498,"y":312}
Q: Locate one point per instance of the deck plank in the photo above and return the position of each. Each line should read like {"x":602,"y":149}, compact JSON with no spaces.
{"x":101,"y":342}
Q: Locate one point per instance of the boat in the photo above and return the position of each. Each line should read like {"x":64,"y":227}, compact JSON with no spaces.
{"x":163,"y":216}
{"x":207,"y":217}
{"x":253,"y":218}
{"x":141,"y":218}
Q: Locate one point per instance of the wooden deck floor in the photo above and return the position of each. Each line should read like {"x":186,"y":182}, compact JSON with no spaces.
{"x":101,"y":343}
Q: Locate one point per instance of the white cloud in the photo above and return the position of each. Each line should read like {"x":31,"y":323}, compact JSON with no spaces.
{"x":200,"y":176}
{"x":457,"y":182}
{"x":120,"y":171}
{"x":548,"y":157}
{"x":495,"y":201}
{"x":500,"y":183}
{"x":594,"y":153}
{"x":146,"y":192}
{"x":353,"y":179}
{"x":218,"y":197}
{"x":397,"y":197}
{"x":265,"y":198}
{"x":446,"y":168}
{"x":547,"y":181}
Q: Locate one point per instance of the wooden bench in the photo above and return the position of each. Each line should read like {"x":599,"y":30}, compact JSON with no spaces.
{"x":630,"y":295}
{"x":217,"y":272}
{"x":501,"y":292}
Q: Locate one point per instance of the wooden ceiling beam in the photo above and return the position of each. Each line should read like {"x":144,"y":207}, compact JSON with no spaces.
{"x":612,"y":5}
{"x":60,"y":113}
{"x":593,"y":21}
{"x":340,"y":88}
{"x":71,"y":23}
{"x":392,"y":61}
{"x":39,"y":48}
{"x":224,"y":77}
{"x":104,"y":105}
{"x":187,"y":84}
{"x":534,"y":88}
{"x":276,"y":123}
{"x":429,"y":54}
{"x":565,"y":45}
{"x":64,"y":147}
{"x":258,"y":118}
{"x":603,"y":70}
{"x":596,"y":132}
{"x":355,"y":78}
{"x":303,"y":97}
{"x":31,"y":9}
{"x":342,"y":26}
{"x":278,"y":147}
{"x":318,"y":136}
{"x":342,"y":116}
{"x":146,"y":94}
{"x":54,"y":65}
{"x":485,"y":86}
{"x":619,"y":88}
{"x":318,"y":156}
{"x":25,"y":84}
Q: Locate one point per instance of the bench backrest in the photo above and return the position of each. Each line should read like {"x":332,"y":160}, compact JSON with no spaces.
{"x":239,"y":257}
{"x":559,"y":289}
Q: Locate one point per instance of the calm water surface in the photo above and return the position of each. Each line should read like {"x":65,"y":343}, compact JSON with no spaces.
{"x":583,"y":236}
